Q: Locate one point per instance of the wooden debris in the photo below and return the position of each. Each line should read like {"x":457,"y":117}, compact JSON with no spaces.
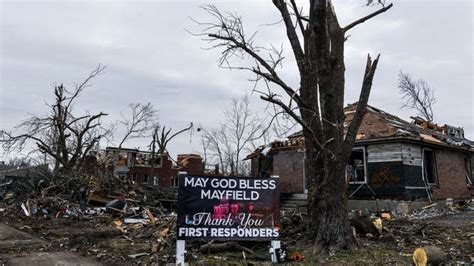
{"x":378,"y":225}
{"x":221,"y":247}
{"x":164,"y":232}
{"x":150,"y":216}
{"x":430,"y":206}
{"x":134,"y":256}
{"x":364,"y":225}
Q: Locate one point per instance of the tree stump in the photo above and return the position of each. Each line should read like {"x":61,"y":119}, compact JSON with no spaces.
{"x":428,"y":255}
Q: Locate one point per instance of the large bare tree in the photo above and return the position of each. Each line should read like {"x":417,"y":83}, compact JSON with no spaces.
{"x":62,"y":135}
{"x":417,"y":94}
{"x":316,"y":103}
{"x":239,"y":131}
{"x":141,"y":120}
{"x":217,"y":148}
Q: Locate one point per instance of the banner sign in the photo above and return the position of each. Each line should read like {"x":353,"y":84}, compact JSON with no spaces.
{"x":228,"y":208}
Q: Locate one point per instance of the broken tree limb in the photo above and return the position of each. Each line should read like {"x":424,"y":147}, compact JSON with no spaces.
{"x":362,"y":20}
{"x":151,"y":217}
{"x":221,"y":247}
{"x":363,"y":225}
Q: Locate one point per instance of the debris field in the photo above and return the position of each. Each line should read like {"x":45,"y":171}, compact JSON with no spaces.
{"x":115,"y":222}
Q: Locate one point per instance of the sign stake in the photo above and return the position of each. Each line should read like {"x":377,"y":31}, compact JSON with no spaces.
{"x":273,"y":250}
{"x":180,"y":251}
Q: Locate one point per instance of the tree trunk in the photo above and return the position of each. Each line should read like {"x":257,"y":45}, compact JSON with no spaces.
{"x":320,"y":100}
{"x":327,"y":204}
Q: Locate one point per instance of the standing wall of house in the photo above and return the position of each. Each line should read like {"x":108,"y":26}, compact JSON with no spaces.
{"x":384,"y":173}
{"x":394,"y":170}
{"x":452,"y":182}
{"x":471,"y":183}
{"x":165,"y":172}
{"x":254,"y":166}
{"x":289,"y":166}
{"x":263,"y":166}
{"x":415,"y":187}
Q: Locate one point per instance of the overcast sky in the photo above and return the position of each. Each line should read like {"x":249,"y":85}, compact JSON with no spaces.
{"x":151,"y":58}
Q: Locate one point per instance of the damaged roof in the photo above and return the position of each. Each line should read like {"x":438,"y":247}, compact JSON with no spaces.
{"x":379,"y":125}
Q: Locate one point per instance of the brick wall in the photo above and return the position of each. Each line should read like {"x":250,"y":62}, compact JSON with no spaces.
{"x":288,"y":165}
{"x":472,"y":169}
{"x":451,"y":176}
{"x":90,"y":165}
{"x":191,"y":164}
{"x":254,"y":166}
{"x":165,"y":173}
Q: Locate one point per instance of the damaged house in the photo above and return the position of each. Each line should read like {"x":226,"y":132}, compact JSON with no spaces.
{"x":25,"y":177}
{"x":158,"y":170}
{"x":391,"y":159}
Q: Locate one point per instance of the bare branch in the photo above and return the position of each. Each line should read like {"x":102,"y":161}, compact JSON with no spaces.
{"x":142,"y":118}
{"x":417,"y":95}
{"x":60,"y":134}
{"x":299,"y":17}
{"x":291,"y":32}
{"x":79,"y":88}
{"x":235,"y":135}
{"x":228,"y":33}
{"x":164,"y":142}
{"x":362,"y":20}
{"x":294,"y":116}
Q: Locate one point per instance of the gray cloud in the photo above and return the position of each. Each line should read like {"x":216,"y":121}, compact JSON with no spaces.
{"x":151,"y":58}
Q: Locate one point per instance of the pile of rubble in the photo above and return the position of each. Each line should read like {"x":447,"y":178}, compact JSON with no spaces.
{"x":113,"y":220}
{"x":431,"y":212}
{"x":117,"y":222}
{"x":441,"y":209}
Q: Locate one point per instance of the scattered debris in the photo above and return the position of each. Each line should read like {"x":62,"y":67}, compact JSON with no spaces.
{"x":116,"y":205}
{"x":431,"y":211}
{"x":430,"y":206}
{"x":134,"y":256}
{"x":100,"y":218}
{"x":364,"y":225}
{"x":25,"y":211}
{"x":135,"y":221}
{"x":225,"y":246}
{"x":130,"y":225}
{"x":296,"y":256}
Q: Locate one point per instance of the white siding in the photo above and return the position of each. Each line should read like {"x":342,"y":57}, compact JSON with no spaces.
{"x":411,"y":154}
{"x":384,"y":152}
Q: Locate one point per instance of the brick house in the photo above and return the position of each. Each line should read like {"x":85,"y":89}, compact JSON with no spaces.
{"x":138,"y":166}
{"x":391,"y":159}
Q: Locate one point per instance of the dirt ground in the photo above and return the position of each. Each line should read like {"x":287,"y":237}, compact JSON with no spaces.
{"x":454,"y":234}
{"x":96,"y":238}
{"x":100,"y":239}
{"x":20,"y":248}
